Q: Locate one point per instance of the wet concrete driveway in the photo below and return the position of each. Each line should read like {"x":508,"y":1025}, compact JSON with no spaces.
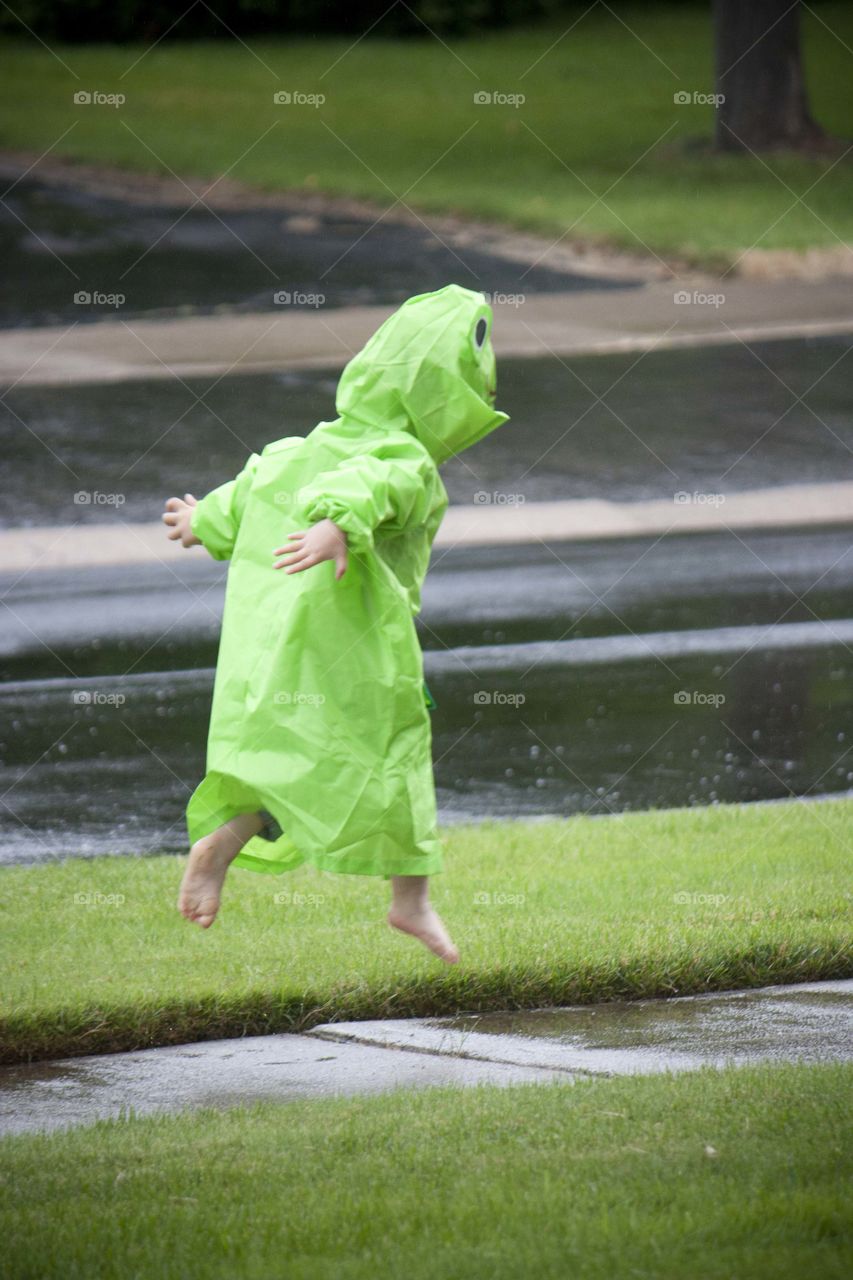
{"x":807,"y":1023}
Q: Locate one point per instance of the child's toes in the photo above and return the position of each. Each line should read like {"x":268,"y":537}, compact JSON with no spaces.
{"x":205,"y":914}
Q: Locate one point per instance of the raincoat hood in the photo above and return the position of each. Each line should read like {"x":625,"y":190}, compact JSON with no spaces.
{"x":430,"y":370}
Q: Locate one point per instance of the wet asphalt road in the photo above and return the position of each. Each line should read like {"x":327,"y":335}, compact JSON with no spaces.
{"x":711,"y":421}
{"x":164,"y":260}
{"x":556,"y":669}
{"x":142,"y":618}
{"x":584,"y":678}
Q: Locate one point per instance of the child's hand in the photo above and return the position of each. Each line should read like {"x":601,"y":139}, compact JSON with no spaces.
{"x":323,"y":541}
{"x":177,"y":516}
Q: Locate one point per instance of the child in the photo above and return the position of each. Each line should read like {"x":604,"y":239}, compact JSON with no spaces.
{"x":319,"y":714}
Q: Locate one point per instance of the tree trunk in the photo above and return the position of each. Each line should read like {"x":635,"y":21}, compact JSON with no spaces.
{"x":760,"y":76}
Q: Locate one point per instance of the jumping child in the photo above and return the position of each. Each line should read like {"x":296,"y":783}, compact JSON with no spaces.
{"x":320,"y":746}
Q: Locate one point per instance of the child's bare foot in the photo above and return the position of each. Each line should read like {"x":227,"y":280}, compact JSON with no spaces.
{"x":411,"y":912}
{"x":209,"y":860}
{"x":425,"y":924}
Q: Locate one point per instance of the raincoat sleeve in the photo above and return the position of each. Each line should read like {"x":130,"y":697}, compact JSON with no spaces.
{"x":216,"y":518}
{"x":397,"y":490}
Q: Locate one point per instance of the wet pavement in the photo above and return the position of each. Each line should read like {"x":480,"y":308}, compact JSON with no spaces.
{"x":564,"y":684}
{"x":707,"y":422}
{"x":563,"y":326}
{"x":588,"y":677}
{"x":595,"y":736}
{"x":135,"y":619}
{"x":807,"y":1023}
{"x":59,"y":549}
{"x":60,"y":241}
{"x":224,"y":1073}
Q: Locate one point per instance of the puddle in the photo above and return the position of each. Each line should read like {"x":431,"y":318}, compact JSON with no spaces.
{"x":807,"y":1023}
{"x":706,"y":421}
{"x":166,"y":261}
{"x":747,"y":1026}
{"x":645,"y":734}
{"x":144,"y":744}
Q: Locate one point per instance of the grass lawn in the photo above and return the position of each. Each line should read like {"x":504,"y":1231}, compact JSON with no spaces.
{"x":598,"y":145}
{"x":721,"y":1174}
{"x":96,"y":957}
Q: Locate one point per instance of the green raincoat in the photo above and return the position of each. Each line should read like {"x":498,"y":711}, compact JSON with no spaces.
{"x":319,"y":714}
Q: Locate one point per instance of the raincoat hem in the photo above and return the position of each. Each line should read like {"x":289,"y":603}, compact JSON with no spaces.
{"x":272,"y":857}
{"x":266,"y":862}
{"x":424,"y":865}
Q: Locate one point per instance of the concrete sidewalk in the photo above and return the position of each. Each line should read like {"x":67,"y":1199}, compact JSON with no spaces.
{"x":808,"y":1023}
{"x":559,"y":324}
{"x":488,"y":524}
{"x":812,"y":1022}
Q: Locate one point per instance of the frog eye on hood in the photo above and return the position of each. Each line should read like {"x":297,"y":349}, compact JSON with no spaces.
{"x":481,"y":330}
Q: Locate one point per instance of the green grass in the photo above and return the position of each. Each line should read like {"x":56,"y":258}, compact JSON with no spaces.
{"x":399,"y":120}
{"x":579,"y":910}
{"x":600,"y":1180}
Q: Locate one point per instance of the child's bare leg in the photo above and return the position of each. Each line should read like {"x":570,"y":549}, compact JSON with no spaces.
{"x":209,"y":860}
{"x":412,"y":912}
